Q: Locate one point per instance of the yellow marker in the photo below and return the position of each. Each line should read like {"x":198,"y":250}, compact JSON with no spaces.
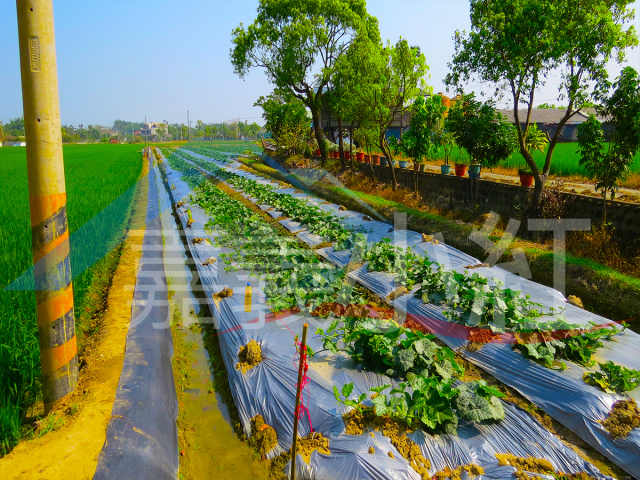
{"x":247,"y":298}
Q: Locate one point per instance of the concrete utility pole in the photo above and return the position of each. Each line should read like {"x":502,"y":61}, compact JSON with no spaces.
{"x":47,"y":200}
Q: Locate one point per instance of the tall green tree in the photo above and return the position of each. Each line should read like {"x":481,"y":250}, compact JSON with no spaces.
{"x":482,"y":131}
{"x":608,"y":162}
{"x":286,"y":118}
{"x":298,"y":43}
{"x":392,"y":77}
{"x":515,"y":44}
{"x":424,"y":135}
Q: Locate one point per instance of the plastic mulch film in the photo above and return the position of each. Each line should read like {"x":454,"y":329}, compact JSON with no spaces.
{"x":268,"y":389}
{"x":582,"y":416}
{"x":142,"y":437}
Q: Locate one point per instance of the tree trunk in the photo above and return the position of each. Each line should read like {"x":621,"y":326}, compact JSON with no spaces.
{"x":341,"y":144}
{"x":351,"y":152}
{"x":317,"y":129}
{"x":604,"y":208}
{"x":387,"y":153}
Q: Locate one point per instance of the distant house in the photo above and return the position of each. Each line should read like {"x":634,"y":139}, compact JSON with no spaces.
{"x":399,"y":125}
{"x":113,"y":140}
{"x":149,"y":130}
{"x":547,"y":120}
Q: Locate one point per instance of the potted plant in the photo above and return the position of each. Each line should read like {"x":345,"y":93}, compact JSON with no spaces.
{"x":526,"y":177}
{"x":447,"y":141}
{"x":460,"y":169}
{"x":474,"y":171}
{"x":483,"y":132}
{"x":534,"y":139}
{"x":402,"y":163}
{"x":360,"y":156}
{"x":375,"y":159}
{"x":383,"y":161}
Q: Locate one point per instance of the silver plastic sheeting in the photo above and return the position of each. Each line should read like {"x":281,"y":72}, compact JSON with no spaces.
{"x":269,"y":390}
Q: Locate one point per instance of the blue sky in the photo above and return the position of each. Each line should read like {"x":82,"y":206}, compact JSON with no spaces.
{"x":130,"y":58}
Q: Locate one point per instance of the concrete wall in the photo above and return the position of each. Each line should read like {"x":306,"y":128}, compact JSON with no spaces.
{"x":505,"y":199}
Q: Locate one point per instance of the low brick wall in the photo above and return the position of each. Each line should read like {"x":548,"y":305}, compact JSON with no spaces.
{"x":505,"y":199}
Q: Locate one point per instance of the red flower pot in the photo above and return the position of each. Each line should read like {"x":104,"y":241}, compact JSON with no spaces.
{"x":367,"y":158}
{"x":526,"y":180}
{"x":360,"y":156}
{"x":347,"y":156}
{"x":376,"y":159}
{"x":461,"y":169}
{"x":317,"y":152}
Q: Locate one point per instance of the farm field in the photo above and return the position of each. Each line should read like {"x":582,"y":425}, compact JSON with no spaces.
{"x":317,"y":225}
{"x":96,"y":175}
{"x":566,"y":160}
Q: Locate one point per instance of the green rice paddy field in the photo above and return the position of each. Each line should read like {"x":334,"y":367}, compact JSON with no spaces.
{"x":100,"y":184}
{"x":566,"y":160}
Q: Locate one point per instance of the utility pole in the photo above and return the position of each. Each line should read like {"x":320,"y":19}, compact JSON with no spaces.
{"x":223,"y":131}
{"x":47,"y":200}
{"x":188,"y":127}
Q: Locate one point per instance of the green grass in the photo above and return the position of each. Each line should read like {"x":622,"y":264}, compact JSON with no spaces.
{"x":566,"y":160}
{"x":96,"y":175}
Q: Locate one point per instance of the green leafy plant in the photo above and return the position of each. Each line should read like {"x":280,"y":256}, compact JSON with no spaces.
{"x":613,"y":378}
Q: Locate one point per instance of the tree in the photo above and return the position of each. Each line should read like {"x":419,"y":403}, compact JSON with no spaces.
{"x":515,"y":44}
{"x":608,"y":164}
{"x":392,"y":77}
{"x":424,"y":135}
{"x":285,"y":117}
{"x":481,"y":131}
{"x":298,"y":43}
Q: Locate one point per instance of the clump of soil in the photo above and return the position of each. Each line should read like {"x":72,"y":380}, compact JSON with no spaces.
{"x":276,"y":467}
{"x":249,"y":356}
{"x":573,"y":300}
{"x":537,"y":465}
{"x":479,"y":336}
{"x":342,"y":208}
{"x":398,"y":292}
{"x":366,"y":218}
{"x":529,"y":464}
{"x":210,"y":261}
{"x":407,"y":447}
{"x":471,"y":468}
{"x":263,"y":436}
{"x":198,"y":240}
{"x":353,"y":266}
{"x":480,"y":265}
{"x":224,"y":293}
{"x":356,"y":421}
{"x":313,"y":441}
{"x":323,"y":245}
{"x":429,"y":238}
{"x":353,"y":310}
{"x":371,"y":450}
{"x":623,"y":417}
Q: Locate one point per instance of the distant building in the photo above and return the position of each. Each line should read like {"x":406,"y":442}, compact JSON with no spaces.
{"x":397,"y":128}
{"x":149,"y":129}
{"x":113,"y":140}
{"x":15,"y":144}
{"x":547,"y":120}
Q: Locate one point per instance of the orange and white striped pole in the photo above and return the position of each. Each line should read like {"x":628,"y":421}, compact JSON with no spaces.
{"x":48,"y":200}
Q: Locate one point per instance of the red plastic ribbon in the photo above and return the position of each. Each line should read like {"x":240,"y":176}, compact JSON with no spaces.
{"x":304,"y":383}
